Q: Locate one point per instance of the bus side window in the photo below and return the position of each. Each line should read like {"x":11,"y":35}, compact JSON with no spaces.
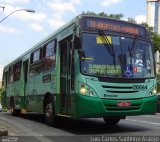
{"x":11,"y":71}
{"x":49,"y":58}
{"x":17,"y":71}
{"x":35,"y":62}
{"x":6,"y":78}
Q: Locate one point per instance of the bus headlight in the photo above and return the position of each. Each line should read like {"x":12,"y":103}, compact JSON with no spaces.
{"x":83,"y":91}
{"x":153,"y":91}
{"x":87,"y":90}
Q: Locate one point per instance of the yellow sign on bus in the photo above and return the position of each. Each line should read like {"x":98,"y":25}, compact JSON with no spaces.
{"x":104,"y":40}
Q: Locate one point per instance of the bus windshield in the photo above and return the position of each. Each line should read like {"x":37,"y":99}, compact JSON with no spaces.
{"x":116,"y":56}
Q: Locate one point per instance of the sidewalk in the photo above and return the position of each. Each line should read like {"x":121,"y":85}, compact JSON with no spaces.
{"x":3,"y":128}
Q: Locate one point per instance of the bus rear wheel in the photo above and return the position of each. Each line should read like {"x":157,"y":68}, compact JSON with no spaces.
{"x":111,"y":121}
{"x":50,"y":117}
{"x":13,"y":111}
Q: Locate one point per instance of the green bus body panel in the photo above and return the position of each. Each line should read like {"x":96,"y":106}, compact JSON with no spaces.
{"x":95,"y":107}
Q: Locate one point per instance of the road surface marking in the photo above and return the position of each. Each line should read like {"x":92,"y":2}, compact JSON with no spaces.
{"x":151,"y":116}
{"x":143,"y":121}
{"x":43,"y":139}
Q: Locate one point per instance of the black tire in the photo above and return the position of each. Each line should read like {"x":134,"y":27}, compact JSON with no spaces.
{"x":13,"y":111}
{"x":49,"y":111}
{"x":111,"y":121}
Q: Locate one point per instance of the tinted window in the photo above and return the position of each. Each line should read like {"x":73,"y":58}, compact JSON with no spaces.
{"x":36,"y":55}
{"x":10,"y":74}
{"x":116,"y":56}
{"x":17,"y":71}
{"x":49,"y":56}
{"x":49,"y":49}
{"x":35,"y":62}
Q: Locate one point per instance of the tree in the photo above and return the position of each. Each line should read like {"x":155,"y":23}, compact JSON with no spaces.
{"x":113,"y":16}
{"x":155,"y":37}
{"x":116,"y":16}
{"x":88,"y":13}
{"x":156,"y":41}
{"x":132,"y":20}
{"x":1,"y":90}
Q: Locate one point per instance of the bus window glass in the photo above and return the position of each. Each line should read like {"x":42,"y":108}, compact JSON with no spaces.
{"x":17,"y":71}
{"x":49,"y":56}
{"x":49,"y":48}
{"x":11,"y":74}
{"x":36,"y":55}
{"x":35,"y":66}
{"x":116,"y":56}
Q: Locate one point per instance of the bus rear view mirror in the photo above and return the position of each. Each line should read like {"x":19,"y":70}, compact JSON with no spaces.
{"x":81,"y":52}
{"x":77,"y":42}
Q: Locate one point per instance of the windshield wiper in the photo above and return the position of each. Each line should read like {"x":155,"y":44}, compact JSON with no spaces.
{"x":133,"y":44}
{"x":130,"y":48}
{"x":108,"y":45}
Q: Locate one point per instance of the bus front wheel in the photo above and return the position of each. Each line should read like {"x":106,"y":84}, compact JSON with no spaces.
{"x":111,"y":121}
{"x":50,"y":117}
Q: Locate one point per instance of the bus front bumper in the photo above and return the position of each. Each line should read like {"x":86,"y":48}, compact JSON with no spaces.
{"x":86,"y":106}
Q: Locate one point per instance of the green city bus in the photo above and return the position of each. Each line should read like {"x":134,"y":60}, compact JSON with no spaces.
{"x":91,"y":67}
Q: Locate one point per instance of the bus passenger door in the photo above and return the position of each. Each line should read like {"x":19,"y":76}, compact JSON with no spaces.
{"x":65,"y":76}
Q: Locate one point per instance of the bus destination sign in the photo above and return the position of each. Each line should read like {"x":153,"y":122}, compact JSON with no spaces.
{"x":114,"y":25}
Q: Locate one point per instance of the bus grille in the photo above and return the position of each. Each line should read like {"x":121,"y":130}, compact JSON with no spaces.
{"x":119,"y":89}
{"x":116,"y":108}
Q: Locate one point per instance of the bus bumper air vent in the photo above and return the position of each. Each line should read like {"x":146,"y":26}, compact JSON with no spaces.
{"x":119,"y":89}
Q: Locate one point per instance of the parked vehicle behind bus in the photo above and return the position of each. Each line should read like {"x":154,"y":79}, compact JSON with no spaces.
{"x":158,"y":103}
{"x":0,"y":108}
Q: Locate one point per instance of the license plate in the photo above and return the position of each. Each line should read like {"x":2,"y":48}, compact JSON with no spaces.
{"x":123,"y":104}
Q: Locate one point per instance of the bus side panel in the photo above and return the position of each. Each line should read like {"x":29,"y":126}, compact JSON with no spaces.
{"x":15,"y":89}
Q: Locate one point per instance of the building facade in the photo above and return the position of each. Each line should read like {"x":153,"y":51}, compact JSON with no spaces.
{"x":153,"y":14}
{"x":153,"y":20}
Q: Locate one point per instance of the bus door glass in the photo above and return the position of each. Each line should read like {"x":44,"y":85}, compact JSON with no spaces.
{"x":25,"y":74}
{"x":65,"y":77}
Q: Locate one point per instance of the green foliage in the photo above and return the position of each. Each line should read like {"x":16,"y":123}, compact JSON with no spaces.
{"x":150,"y":29}
{"x":0,"y":93}
{"x":113,"y":16}
{"x":132,"y":20}
{"x":155,"y":37}
{"x":158,"y":82}
{"x":156,"y":41}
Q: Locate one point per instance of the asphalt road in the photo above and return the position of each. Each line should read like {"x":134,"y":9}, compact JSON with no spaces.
{"x":31,"y":127}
